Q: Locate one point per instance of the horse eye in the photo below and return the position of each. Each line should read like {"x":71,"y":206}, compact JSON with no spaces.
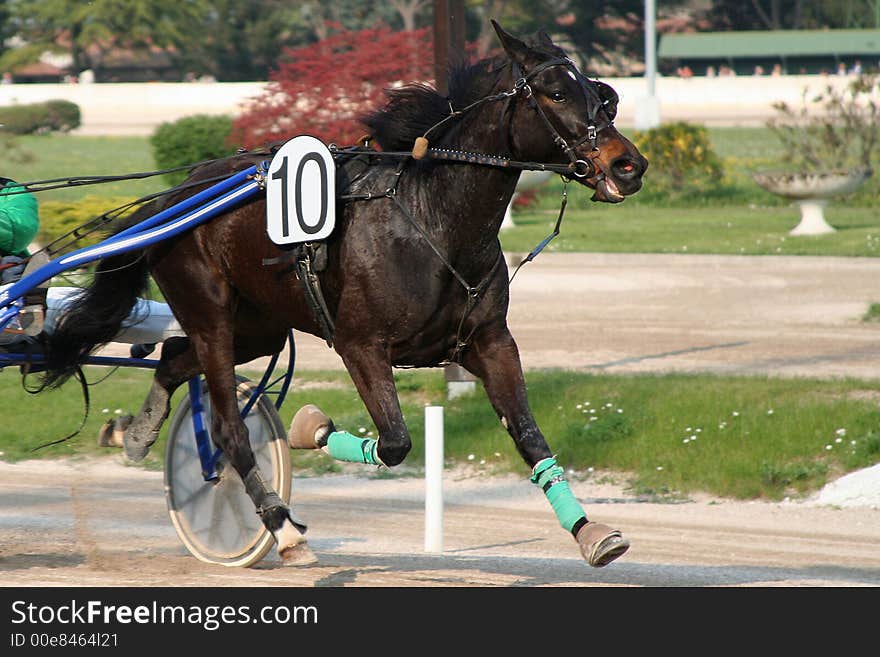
{"x":557,"y":96}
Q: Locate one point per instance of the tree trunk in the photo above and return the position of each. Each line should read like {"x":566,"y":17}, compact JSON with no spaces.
{"x":408,"y":9}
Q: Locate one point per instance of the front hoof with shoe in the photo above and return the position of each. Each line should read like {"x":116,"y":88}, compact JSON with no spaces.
{"x":309,"y":428}
{"x":600,"y":544}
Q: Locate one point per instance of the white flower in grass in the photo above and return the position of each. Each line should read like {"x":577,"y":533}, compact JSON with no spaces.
{"x":482,"y":461}
{"x":362,"y":430}
{"x":735,"y":414}
{"x":105,"y":410}
{"x":590,"y":469}
{"x":620,"y":410}
{"x":497,"y":453}
{"x":579,"y":406}
{"x":698,"y":430}
{"x":852,"y":442}
{"x":471,"y":457}
{"x":693,"y":436}
{"x":686,"y":441}
{"x":659,"y":468}
{"x":770,"y":411}
{"x":828,"y":447}
{"x":840,"y":432}
{"x":838,"y":440}
{"x":118,"y":411}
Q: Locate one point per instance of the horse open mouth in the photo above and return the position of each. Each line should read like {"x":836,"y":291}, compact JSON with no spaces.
{"x":607,"y":190}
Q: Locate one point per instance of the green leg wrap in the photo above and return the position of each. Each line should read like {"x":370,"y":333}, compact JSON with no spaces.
{"x":550,"y":478}
{"x":342,"y":446}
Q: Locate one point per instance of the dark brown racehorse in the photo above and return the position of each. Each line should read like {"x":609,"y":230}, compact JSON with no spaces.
{"x":413,"y":278}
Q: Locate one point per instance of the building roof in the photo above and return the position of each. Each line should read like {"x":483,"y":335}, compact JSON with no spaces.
{"x":769,"y":43}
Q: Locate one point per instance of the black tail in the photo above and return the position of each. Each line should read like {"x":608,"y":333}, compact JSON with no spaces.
{"x":96,"y":315}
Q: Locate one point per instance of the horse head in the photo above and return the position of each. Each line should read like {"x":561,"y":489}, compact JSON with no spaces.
{"x":575,"y":119}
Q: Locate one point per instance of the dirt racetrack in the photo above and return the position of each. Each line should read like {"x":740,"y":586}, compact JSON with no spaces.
{"x":100,"y":523}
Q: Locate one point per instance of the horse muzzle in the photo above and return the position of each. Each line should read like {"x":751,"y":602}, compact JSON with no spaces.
{"x":619,"y":180}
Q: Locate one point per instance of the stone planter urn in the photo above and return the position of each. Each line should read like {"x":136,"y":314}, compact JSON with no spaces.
{"x":812,"y":191}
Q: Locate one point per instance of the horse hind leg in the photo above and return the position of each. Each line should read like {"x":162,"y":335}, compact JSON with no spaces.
{"x":176,"y":365}
{"x":230,"y":434}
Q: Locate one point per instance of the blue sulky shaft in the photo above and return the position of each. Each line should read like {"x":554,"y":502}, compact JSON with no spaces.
{"x":208,"y":204}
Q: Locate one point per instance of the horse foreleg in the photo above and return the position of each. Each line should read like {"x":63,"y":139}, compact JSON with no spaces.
{"x":494,"y":358}
{"x":176,"y":365}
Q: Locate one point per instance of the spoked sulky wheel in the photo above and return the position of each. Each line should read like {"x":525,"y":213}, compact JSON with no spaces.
{"x":216,"y":520}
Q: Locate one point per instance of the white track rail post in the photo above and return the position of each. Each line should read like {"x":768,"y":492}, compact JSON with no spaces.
{"x":433,"y":479}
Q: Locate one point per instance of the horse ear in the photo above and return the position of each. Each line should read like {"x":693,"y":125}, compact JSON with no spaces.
{"x":515,"y":49}
{"x":544,"y":38}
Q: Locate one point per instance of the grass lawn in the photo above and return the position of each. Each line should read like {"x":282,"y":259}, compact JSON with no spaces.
{"x":733,"y":230}
{"x":64,"y":156}
{"x":743,"y":437}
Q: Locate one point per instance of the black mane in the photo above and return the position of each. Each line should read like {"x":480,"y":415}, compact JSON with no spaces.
{"x":414,"y":108}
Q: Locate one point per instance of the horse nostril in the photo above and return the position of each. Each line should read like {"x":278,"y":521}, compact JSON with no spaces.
{"x":626,"y":168}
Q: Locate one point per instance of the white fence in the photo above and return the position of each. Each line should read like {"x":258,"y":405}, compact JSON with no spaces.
{"x":136,"y":109}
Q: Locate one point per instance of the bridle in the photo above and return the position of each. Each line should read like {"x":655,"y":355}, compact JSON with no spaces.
{"x":579,"y":167}
{"x":576,"y":167}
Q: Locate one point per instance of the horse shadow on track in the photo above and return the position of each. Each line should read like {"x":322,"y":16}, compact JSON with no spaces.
{"x":455,"y":570}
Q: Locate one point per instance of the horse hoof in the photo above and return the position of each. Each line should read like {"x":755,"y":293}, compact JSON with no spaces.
{"x":135,"y":451}
{"x":299,"y":554}
{"x":309,"y":428}
{"x":107,"y":436}
{"x":112,"y":433}
{"x":600,"y":545}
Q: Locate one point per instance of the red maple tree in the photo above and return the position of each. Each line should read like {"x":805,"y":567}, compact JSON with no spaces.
{"x":322,"y":89}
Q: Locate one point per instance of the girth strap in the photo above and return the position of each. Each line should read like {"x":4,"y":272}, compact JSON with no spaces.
{"x":303,"y":258}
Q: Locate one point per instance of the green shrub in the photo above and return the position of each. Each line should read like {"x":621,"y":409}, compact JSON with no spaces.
{"x":60,"y":217}
{"x":190,"y":140}
{"x":48,"y":116}
{"x":682,"y":161}
{"x":63,"y":115}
